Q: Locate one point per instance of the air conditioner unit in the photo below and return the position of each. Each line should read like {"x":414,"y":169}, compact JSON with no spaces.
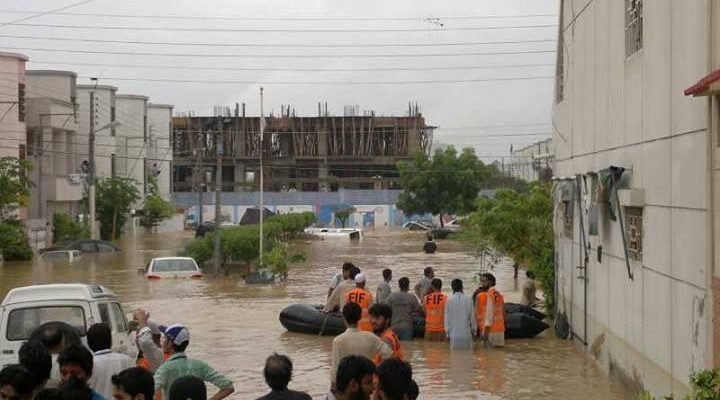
{"x":75,"y":179}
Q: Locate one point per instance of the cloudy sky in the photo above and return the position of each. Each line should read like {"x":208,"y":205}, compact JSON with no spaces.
{"x":479,"y":70}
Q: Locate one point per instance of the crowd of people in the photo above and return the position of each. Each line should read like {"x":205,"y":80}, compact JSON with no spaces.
{"x":367,"y":359}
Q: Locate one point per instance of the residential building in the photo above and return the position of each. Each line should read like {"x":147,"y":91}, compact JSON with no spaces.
{"x":132,"y":139}
{"x":636,"y":250}
{"x":160,"y":152}
{"x":532,"y":162}
{"x":13,"y":141}
{"x":51,"y":135}
{"x":104,"y":110}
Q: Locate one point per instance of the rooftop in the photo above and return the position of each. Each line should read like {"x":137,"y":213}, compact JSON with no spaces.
{"x":19,"y":56}
{"x":62,"y":291}
{"x":50,"y":72}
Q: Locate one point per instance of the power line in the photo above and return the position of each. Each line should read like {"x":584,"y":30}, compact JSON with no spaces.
{"x":308,"y":18}
{"x":291,"y":45}
{"x":246,"y":30}
{"x":196,"y":55}
{"x":493,"y":126}
{"x":41,"y":13}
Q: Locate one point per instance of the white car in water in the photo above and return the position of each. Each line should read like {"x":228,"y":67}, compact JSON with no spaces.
{"x":173,"y":267}
{"x":77,"y":304}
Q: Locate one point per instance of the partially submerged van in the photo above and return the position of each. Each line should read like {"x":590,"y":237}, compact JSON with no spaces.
{"x":77,"y":304}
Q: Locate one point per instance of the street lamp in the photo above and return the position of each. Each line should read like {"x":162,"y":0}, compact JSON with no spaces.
{"x":91,"y":173}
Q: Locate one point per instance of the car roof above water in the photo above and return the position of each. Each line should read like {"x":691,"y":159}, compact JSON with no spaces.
{"x":172,"y":258}
{"x":62,"y":291}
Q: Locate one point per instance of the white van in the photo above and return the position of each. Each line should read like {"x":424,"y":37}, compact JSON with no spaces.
{"x":79,"y":305}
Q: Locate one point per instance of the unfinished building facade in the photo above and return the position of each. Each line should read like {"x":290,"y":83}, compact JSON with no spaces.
{"x":323,"y":153}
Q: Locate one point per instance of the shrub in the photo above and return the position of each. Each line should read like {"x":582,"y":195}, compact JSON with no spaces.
{"x":14,"y":245}
{"x":64,"y":228}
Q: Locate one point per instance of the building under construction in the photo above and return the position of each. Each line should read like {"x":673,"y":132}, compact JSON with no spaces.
{"x":323,"y":153}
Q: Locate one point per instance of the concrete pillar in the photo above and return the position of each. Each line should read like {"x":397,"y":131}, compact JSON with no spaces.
{"x":240,"y":176}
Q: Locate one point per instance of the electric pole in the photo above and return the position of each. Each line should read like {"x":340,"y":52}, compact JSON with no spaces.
{"x":91,"y":168}
{"x":218,"y":193}
{"x":198,"y":178}
{"x":262,"y":207}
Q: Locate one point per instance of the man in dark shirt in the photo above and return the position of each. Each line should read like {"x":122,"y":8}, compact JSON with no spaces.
{"x":278,"y":372}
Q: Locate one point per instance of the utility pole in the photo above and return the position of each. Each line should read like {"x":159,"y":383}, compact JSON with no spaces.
{"x":262,"y":207}
{"x":198,"y":178}
{"x":218,"y":194}
{"x":91,"y":168}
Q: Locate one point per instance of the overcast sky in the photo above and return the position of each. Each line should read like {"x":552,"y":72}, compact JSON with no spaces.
{"x":463,"y":110}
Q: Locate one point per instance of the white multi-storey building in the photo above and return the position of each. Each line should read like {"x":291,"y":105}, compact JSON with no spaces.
{"x":132,"y":138}
{"x":13,"y":141}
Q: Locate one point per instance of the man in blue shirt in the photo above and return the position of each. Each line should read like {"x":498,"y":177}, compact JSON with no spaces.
{"x":76,"y":363}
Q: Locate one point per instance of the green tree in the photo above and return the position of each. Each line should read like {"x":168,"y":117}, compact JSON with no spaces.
{"x":343,"y":214}
{"x":156,"y":208}
{"x":14,"y":245}
{"x":447,"y":183}
{"x":14,"y":185}
{"x":64,"y":228}
{"x":518,"y":224}
{"x":113,"y":197}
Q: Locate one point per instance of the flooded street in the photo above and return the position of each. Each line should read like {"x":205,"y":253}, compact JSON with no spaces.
{"x":235,"y":327}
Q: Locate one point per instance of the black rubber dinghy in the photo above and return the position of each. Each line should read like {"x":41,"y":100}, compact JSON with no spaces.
{"x":304,"y":318}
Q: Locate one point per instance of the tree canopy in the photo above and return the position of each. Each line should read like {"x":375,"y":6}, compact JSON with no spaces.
{"x":156,"y":208}
{"x":113,"y":198}
{"x":447,"y":183}
{"x":14,"y":185}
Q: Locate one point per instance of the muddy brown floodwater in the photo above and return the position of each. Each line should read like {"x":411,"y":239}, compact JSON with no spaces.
{"x":235,"y":326}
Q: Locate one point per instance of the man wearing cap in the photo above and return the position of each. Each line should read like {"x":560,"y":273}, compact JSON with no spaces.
{"x":364,"y":299}
{"x":175,"y":340}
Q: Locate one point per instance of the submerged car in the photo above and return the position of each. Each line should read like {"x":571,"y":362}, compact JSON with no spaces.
{"x":93,"y":246}
{"x":417,"y":226}
{"x":61,"y":255}
{"x":173,"y":267}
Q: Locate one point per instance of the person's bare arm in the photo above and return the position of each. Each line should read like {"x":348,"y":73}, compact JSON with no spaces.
{"x":223,"y":393}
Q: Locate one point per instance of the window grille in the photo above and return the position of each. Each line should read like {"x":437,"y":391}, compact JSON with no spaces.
{"x":633,"y":26}
{"x":634,"y":231}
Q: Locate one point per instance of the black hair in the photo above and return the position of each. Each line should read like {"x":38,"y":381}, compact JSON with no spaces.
{"x":347,"y":266}
{"x":404,"y":283}
{"x":436,"y":283}
{"x":49,"y":394}
{"x":180,"y":348}
{"x":395,"y":377}
{"x":490,"y":278}
{"x":530,"y":274}
{"x":134,"y":381}
{"x":99,"y":337}
{"x":19,"y":378}
{"x":427,"y":271}
{"x":78,"y":355}
{"x":278,"y":371}
{"x":413,"y":391}
{"x":188,"y":388}
{"x":381,"y":310}
{"x":387,"y":273}
{"x":352,"y":313}
{"x":457,"y":285}
{"x":354,"y":271}
{"x":37,"y":359}
{"x":76,"y":389}
{"x":353,"y":368}
{"x":51,"y":335}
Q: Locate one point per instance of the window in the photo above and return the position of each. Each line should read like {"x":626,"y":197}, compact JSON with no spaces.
{"x":105,"y":248}
{"x":560,"y":62}
{"x":633,"y":26}
{"x":119,"y":322}
{"x":112,"y":119}
{"x":105,"y":314}
{"x":88,"y":247}
{"x":113,"y":167}
{"x":174,"y":266}
{"x":21,"y":102}
{"x":634,"y":232}
{"x":566,"y":210}
{"x":23,"y":321}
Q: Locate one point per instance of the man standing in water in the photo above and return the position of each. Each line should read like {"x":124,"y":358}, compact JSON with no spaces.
{"x":492,"y":329}
{"x":335,"y":281}
{"x":383,"y":289}
{"x":404,"y":305}
{"x":529,"y":290}
{"x":424,"y":285}
{"x":380,"y":317}
{"x":460,"y":323}
{"x":434,"y":305}
{"x":337,"y":298}
{"x":364,"y":299}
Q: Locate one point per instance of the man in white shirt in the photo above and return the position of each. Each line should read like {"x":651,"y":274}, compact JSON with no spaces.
{"x":460,"y":321}
{"x":337,"y":298}
{"x":105,"y":362}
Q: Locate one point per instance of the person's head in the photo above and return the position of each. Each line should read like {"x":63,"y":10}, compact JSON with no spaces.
{"x":360,"y":280}
{"x":278,"y":371}
{"x":380,"y":316}
{"x":394,"y":379}
{"x":16,"y":383}
{"x":353,"y":272}
{"x":188,"y":388}
{"x":133,"y":384}
{"x":484,"y":284}
{"x":354,"y":379}
{"x":75,"y":362}
{"x":491,"y":279}
{"x":429,"y":272}
{"x":76,"y":389}
{"x":51,"y":337}
{"x":352,"y":312}
{"x":436,"y":284}
{"x":36,"y":359}
{"x":99,"y":337}
{"x":49,"y":394}
{"x":413,"y":390}
{"x":430,"y":237}
{"x":457,"y":285}
{"x":346,"y":269}
{"x":175,"y":339}
{"x":529,"y":274}
{"x":387,"y":274}
{"x":404,"y":284}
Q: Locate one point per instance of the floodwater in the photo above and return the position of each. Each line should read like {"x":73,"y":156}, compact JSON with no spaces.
{"x":235,"y":326}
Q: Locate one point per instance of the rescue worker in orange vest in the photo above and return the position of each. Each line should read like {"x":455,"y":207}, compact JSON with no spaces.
{"x":490,"y":312}
{"x":380,"y":317}
{"x":364,"y":299}
{"x":434,"y":306}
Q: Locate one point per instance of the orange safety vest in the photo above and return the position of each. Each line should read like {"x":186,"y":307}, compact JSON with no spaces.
{"x":393,"y":341}
{"x":435,"y":312}
{"x":498,"y":324}
{"x":363,"y":298}
{"x":144,"y":363}
{"x":480,"y":307}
